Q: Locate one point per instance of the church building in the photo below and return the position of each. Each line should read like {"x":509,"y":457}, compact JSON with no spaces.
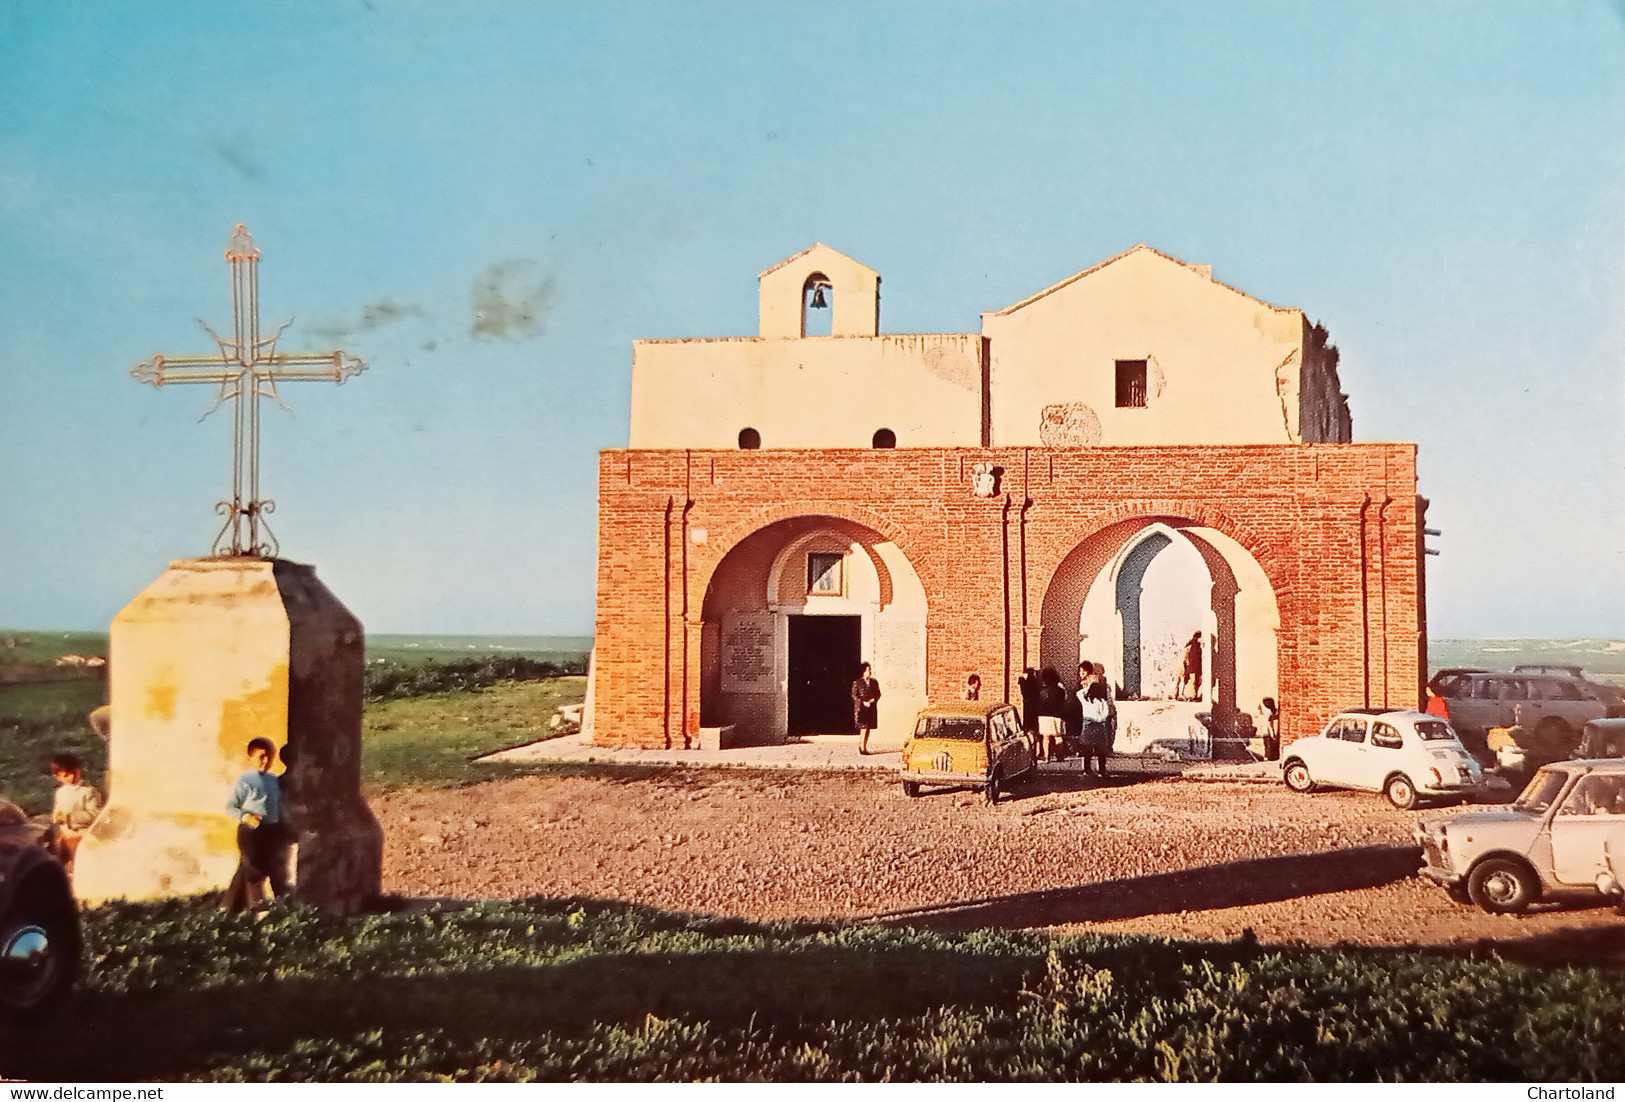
{"x":1133,"y":457}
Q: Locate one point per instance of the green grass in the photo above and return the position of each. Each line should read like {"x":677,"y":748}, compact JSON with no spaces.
{"x":589,"y":990}
{"x":409,"y":650}
{"x":41,"y":648}
{"x":431,"y":741}
{"x":44,"y":647}
{"x":423,"y":742}
{"x":37,"y":720}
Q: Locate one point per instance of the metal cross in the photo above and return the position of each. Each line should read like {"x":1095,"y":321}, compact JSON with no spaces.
{"x":248,"y":368}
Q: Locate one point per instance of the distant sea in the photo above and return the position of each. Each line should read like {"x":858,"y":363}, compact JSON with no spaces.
{"x":1601,"y":658}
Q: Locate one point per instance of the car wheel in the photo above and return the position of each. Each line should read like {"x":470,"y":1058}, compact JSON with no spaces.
{"x":1296,"y":775}
{"x":1400,"y":792}
{"x":39,"y":953}
{"x":991,"y":789}
{"x":1553,"y":730}
{"x":1503,"y":886}
{"x":911,"y":789}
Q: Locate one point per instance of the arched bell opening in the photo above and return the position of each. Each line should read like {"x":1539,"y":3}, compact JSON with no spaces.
{"x":789,"y":615}
{"x":817,"y":306}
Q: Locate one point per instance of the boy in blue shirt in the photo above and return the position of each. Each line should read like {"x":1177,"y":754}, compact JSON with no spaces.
{"x":263,"y":837}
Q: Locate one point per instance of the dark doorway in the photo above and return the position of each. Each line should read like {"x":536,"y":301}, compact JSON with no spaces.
{"x":825,"y":652}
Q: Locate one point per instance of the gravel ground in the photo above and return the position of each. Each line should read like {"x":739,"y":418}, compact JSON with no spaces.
{"x":1177,"y":858}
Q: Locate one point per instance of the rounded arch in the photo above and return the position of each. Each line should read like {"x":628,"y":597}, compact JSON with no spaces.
{"x":1135,"y":589}
{"x":719,"y":542}
{"x":884,"y":438}
{"x":786,"y":590}
{"x":780,"y":645}
{"x":749,"y":439}
{"x":1187,"y":513}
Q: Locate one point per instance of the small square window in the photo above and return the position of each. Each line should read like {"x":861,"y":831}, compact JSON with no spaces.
{"x":824,"y":574}
{"x":1130,"y":383}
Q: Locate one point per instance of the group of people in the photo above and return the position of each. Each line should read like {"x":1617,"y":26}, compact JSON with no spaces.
{"x":1083,"y":721}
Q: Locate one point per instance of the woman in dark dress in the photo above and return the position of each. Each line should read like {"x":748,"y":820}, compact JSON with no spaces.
{"x":1030,"y":685}
{"x":865,"y":706}
{"x":1051,"y":713}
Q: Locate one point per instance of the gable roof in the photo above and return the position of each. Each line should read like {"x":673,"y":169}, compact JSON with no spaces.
{"x":816,"y":247}
{"x":1203,"y":270}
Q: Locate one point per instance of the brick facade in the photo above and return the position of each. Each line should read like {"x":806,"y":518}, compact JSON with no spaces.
{"x":1336,"y":528}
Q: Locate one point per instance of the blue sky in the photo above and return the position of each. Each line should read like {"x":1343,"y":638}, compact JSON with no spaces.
{"x":1441,"y":185}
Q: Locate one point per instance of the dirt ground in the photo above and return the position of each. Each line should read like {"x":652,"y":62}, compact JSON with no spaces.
{"x":1176,"y":858}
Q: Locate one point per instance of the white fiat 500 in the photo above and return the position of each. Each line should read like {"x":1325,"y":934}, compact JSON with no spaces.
{"x":1406,"y":755}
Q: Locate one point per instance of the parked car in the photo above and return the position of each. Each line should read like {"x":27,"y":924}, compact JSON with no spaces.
{"x":1406,"y":755}
{"x":968,"y":742}
{"x":1555,"y":704}
{"x":1518,"y":750}
{"x":40,"y":941}
{"x":1603,"y":738}
{"x":1565,"y":831}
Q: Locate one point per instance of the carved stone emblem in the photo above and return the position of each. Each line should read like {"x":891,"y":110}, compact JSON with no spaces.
{"x":984,"y":479}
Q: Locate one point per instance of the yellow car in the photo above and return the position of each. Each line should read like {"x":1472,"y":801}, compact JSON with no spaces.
{"x":968,"y":743}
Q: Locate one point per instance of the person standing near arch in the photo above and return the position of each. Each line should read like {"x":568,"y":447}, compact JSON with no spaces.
{"x":865,"y":705}
{"x":1192,"y":672}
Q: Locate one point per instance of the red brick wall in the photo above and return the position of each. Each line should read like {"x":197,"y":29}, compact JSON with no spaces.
{"x":1311,"y":515}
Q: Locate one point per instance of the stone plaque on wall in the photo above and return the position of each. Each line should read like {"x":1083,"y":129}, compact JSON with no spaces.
{"x":747,"y":652}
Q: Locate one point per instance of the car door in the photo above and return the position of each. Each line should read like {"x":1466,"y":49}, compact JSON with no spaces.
{"x":1569,"y":701}
{"x":1385,"y":752}
{"x":1344,"y":742}
{"x":1478,"y":705}
{"x":1590,"y":820}
{"x":1016,"y":756}
{"x":1528,"y":701}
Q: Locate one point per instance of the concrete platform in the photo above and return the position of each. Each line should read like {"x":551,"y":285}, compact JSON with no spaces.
{"x":840,"y":752}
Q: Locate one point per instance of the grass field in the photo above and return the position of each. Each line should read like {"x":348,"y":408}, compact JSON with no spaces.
{"x":37,"y":720}
{"x":422,"y":742}
{"x":41,"y":648}
{"x":592,"y":990}
{"x":412,"y":649}
{"x":44,"y":647}
{"x":431,"y":741}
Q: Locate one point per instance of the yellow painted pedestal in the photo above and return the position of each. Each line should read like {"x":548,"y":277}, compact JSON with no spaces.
{"x":213,"y":653}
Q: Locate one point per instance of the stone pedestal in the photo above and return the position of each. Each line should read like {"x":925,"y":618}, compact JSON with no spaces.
{"x":213,"y":653}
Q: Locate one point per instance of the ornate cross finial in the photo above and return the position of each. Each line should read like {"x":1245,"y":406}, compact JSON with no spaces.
{"x":247,"y":368}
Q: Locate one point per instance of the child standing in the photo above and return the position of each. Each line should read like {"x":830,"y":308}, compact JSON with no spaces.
{"x":74,"y":807}
{"x":263,"y":838}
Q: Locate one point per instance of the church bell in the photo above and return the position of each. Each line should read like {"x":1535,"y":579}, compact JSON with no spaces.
{"x":818,"y":302}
